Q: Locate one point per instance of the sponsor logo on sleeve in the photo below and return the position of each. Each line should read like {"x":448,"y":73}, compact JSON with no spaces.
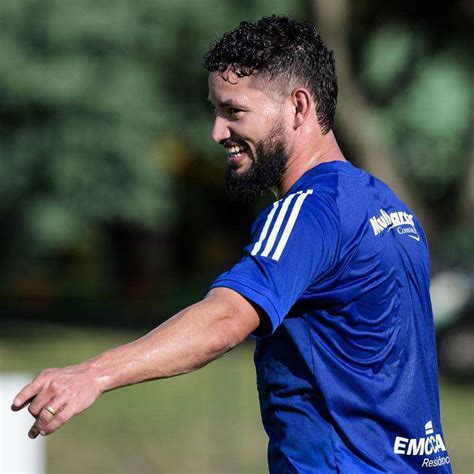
{"x":431,"y":447}
{"x":399,"y":220}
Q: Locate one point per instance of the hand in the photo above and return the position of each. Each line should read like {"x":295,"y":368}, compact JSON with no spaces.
{"x":56,"y":395}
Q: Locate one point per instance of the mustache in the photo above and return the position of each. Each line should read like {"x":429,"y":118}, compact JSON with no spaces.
{"x":228,"y":142}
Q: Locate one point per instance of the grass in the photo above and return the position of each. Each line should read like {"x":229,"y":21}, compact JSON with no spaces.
{"x":205,"y":422}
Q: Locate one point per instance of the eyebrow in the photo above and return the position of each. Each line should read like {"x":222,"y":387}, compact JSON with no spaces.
{"x":227,"y":103}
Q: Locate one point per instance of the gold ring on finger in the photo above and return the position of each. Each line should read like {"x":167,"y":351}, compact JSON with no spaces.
{"x":50,"y":409}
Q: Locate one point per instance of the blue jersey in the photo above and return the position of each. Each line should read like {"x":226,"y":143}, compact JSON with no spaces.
{"x":346,"y":357}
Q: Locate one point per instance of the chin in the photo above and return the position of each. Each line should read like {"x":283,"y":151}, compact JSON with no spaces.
{"x":238,"y":170}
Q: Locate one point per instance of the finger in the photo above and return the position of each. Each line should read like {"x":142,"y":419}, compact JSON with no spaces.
{"x":40,"y":401}
{"x":25,"y":395}
{"x":23,"y":405}
{"x":43,"y":418}
{"x":58,"y":421}
{"x":45,"y":415}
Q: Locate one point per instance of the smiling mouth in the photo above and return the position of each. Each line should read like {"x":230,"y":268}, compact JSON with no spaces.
{"x":236,"y":150}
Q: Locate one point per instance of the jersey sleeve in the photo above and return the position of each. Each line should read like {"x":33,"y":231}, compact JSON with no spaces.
{"x":294,"y":243}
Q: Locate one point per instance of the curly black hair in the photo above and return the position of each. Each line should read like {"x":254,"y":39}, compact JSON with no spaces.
{"x":281,"y":49}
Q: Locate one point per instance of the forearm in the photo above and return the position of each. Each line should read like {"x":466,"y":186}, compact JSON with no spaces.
{"x":189,"y":340}
{"x":186,"y":342}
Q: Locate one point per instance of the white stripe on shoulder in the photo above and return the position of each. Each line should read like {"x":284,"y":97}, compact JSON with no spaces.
{"x":278,"y":223}
{"x":263,"y":234}
{"x":290,"y":224}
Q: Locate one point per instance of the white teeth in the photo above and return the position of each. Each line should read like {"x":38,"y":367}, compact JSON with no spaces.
{"x":235,"y":150}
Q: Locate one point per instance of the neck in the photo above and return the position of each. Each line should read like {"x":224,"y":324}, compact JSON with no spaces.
{"x":310,"y":153}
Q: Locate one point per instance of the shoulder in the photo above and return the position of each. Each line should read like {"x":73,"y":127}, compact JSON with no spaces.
{"x":309,"y":210}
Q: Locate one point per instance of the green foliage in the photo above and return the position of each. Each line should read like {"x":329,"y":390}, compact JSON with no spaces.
{"x":432,"y":123}
{"x":424,"y":100}
{"x":385,"y":56}
{"x":80,"y":113}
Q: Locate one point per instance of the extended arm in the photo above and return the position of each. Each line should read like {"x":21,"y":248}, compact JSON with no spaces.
{"x":189,"y":340}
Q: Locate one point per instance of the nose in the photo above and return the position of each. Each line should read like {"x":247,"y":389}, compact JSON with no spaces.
{"x":220,"y":130}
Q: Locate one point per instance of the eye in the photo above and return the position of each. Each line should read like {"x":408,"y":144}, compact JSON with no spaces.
{"x":213,"y":109}
{"x":233,"y":111}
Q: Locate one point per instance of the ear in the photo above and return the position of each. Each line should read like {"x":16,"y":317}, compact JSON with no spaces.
{"x":302,"y":105}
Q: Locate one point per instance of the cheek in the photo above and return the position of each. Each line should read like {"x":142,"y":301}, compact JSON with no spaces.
{"x":246,"y":131}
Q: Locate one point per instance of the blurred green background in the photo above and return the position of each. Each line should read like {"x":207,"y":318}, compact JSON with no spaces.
{"x":114,"y":216}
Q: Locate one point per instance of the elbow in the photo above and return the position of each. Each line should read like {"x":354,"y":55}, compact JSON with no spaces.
{"x":227,"y":334}
{"x":233,"y":319}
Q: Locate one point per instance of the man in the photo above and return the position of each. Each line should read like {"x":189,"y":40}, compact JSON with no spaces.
{"x":334,"y":284}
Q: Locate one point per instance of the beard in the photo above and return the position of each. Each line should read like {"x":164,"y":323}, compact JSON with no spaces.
{"x":265,"y":172}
